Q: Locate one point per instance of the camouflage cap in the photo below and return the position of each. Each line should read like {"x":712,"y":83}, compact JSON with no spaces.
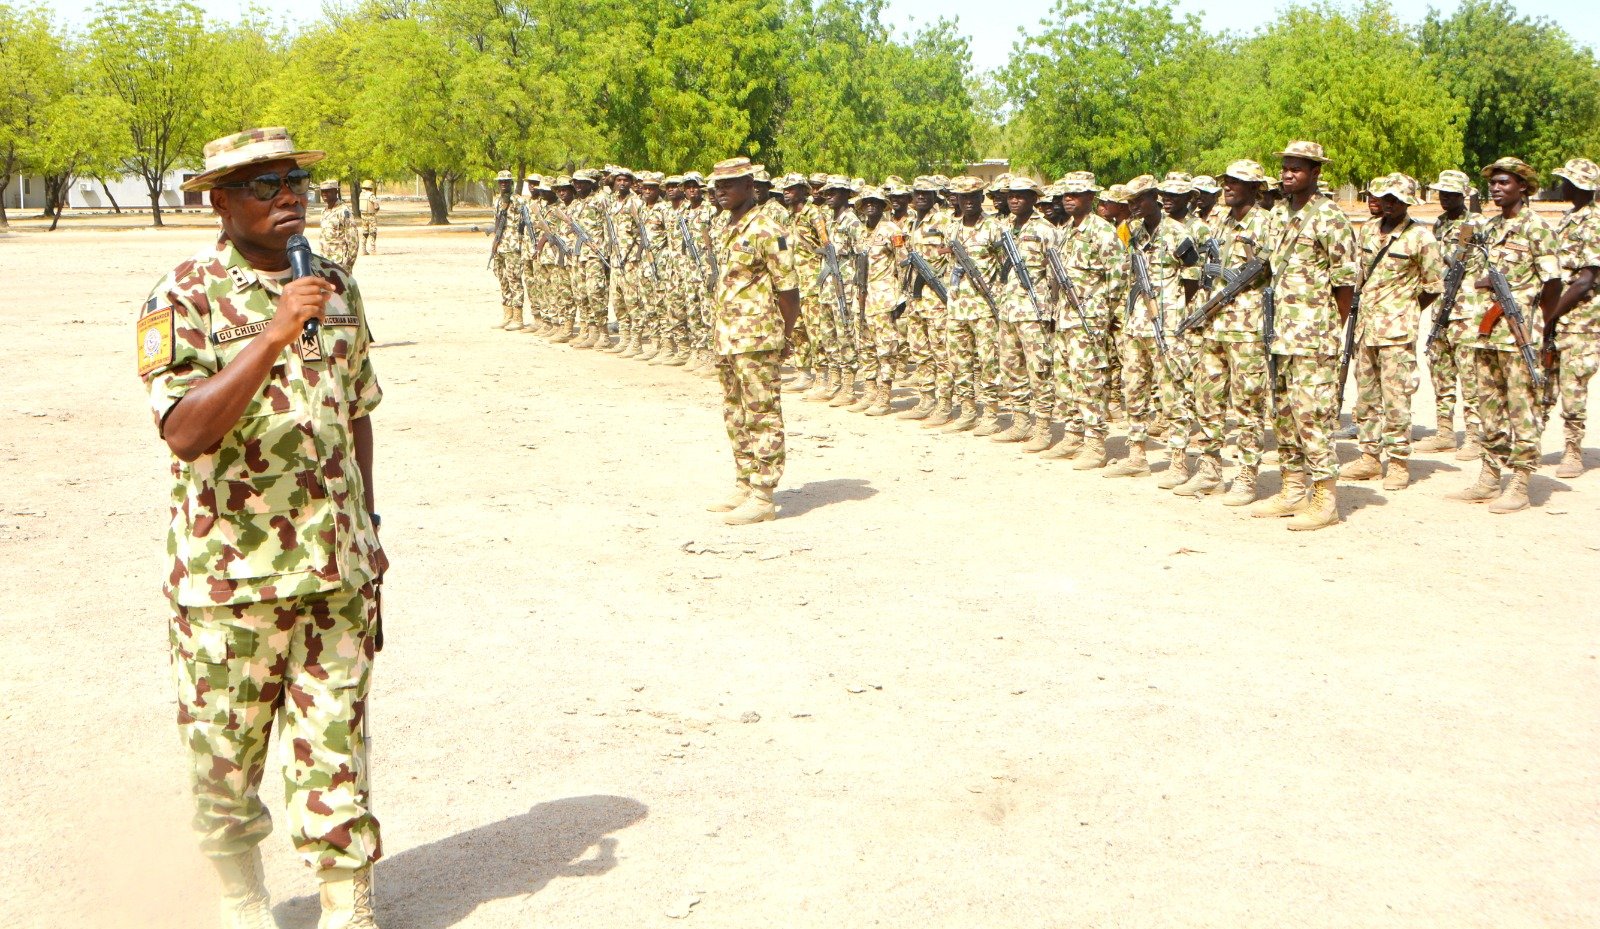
{"x":1000,"y":183}
{"x":562,"y":181}
{"x":941,"y":181}
{"x":650,"y":178}
{"x":869,"y":192}
{"x":1246,"y":170}
{"x":1207,"y":184}
{"x":731,"y":168}
{"x":1581,"y":172}
{"x":672,"y":179}
{"x":894,"y":180}
{"x":503,"y":176}
{"x":618,"y":171}
{"x":926,"y":183}
{"x":818,"y":179}
{"x":1176,"y":182}
{"x":1452,"y":182}
{"x":837,"y":182}
{"x":761,"y":175}
{"x":253,"y":146}
{"x":1078,"y":182}
{"x":1510,"y":164}
{"x":368,"y":185}
{"x":1395,"y":185}
{"x":966,"y":184}
{"x":792,"y":180}
{"x":1050,"y":191}
{"x":586,"y":174}
{"x":1144,"y":183}
{"x":1272,"y":183}
{"x":896,"y":189}
{"x":1022,"y":182}
{"x":693,"y":177}
{"x":1116,"y":193}
{"x":329,"y":184}
{"x":1310,"y":151}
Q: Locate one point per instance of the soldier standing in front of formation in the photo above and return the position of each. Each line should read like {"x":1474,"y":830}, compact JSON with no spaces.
{"x":879,"y":247}
{"x":1576,"y":320}
{"x":1026,"y":318}
{"x":275,"y":561}
{"x":1522,"y":247}
{"x":368,"y":205}
{"x":1450,"y":356}
{"x":973,"y":320}
{"x":1231,"y":364}
{"x":755,"y":305}
{"x":338,"y":237}
{"x":505,"y":255}
{"x":928,"y":230}
{"x":1404,"y":275}
{"x":1314,"y":275}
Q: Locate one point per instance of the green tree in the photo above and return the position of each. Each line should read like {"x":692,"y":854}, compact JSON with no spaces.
{"x":82,"y":134}
{"x":32,"y":74}
{"x":1531,"y":91}
{"x":153,"y":56}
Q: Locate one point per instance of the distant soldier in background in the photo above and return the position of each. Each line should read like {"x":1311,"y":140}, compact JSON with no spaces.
{"x":532,"y":270}
{"x":368,"y":205}
{"x":1206,"y":193}
{"x":1576,"y":322}
{"x":972,"y":321}
{"x":338,"y":238}
{"x":563,"y":266}
{"x":589,"y":280}
{"x":505,"y":251}
{"x":1025,"y":322}
{"x":927,"y":328}
{"x":1450,"y":357}
{"x":879,"y":245}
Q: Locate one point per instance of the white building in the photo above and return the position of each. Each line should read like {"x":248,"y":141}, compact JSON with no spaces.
{"x":26,"y":192}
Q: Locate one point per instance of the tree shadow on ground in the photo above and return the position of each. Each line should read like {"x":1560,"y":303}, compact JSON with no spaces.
{"x":807,"y":497}
{"x":437,"y":885}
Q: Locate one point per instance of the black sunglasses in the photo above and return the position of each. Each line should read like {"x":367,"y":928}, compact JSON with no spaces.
{"x":266,"y":186}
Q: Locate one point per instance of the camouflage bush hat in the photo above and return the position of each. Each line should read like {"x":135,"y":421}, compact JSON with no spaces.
{"x":693,"y":177}
{"x":329,"y":184}
{"x":534,"y":179}
{"x":1000,"y":183}
{"x":1398,"y":186}
{"x":966,"y":184}
{"x":1078,"y":182}
{"x":1050,"y":192}
{"x":870,"y":193}
{"x":1205,"y":183}
{"x":837,"y":182}
{"x":1176,"y":182}
{"x":1144,"y":183}
{"x":503,"y":176}
{"x":673,"y":179}
{"x":761,"y":175}
{"x":1513,"y":165}
{"x":253,"y":146}
{"x":926,"y":183}
{"x":1246,"y":170}
{"x":619,"y":171}
{"x":1022,"y":182}
{"x":818,"y":179}
{"x":1116,"y":193}
{"x":650,"y":178}
{"x":792,"y":180}
{"x":1452,"y":182}
{"x":1581,"y":172}
{"x":896,"y":189}
{"x":731,"y":168}
{"x":1310,"y":151}
{"x":586,"y":174}
{"x":1272,"y":183}
{"x":561,"y":181}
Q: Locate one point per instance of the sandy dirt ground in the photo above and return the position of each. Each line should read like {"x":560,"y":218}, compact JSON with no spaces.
{"x":951,"y":687}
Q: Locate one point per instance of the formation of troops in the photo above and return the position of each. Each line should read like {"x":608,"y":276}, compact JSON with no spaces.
{"x":1186,"y":308}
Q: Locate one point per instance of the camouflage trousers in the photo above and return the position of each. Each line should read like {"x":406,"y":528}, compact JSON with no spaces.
{"x":1231,"y":375}
{"x":1386,"y":377}
{"x":878,"y":346}
{"x":1450,"y":360}
{"x":507,"y":267}
{"x":1024,"y":350}
{"x":303,"y":663}
{"x":673,"y":325}
{"x":1512,"y":418}
{"x":832,"y":346}
{"x":1307,"y":414}
{"x":560,"y":303}
{"x":1174,"y":377}
{"x":1140,"y":359}
{"x":923,"y":328}
{"x":974,"y":363}
{"x":534,"y":287}
{"x":369,"y":236}
{"x":630,"y":306}
{"x":1082,"y":395}
{"x":1580,"y":359}
{"x":752,"y":410}
{"x":589,"y":292}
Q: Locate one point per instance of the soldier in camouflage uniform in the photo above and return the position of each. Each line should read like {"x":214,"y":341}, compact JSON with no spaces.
{"x":561,"y":256}
{"x":369,"y":218}
{"x":505,"y":256}
{"x":881,"y":242}
{"x":338,"y":238}
{"x":973,"y":323}
{"x":756,"y":303}
{"x":1577,"y":314}
{"x":275,"y":559}
{"x":843,"y":228}
{"x":585,"y":216}
{"x":700,"y":211}
{"x":806,"y":227}
{"x":1450,"y":357}
{"x":1206,"y":193}
{"x":1093,"y":259}
{"x":1177,"y":415}
{"x":1523,"y":247}
{"x":1314,"y":274}
{"x":1025,"y":323}
{"x":1404,"y":273}
{"x":533,"y":280}
{"x":655,"y":269}
{"x":928,"y":236}
{"x":1231,"y":363}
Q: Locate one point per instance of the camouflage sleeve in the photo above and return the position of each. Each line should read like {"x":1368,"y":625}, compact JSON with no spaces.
{"x":1545,"y":252}
{"x":1430,"y":262}
{"x":173,"y":351}
{"x":365,"y":393}
{"x":1582,"y":249}
{"x":1343,"y":256}
{"x":780,"y":262}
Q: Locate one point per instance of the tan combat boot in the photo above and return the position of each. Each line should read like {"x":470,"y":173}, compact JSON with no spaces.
{"x":822,"y":389}
{"x":1020,"y":429}
{"x":1571,"y":461}
{"x":1471,"y":448}
{"x":1485,"y":489}
{"x":1442,"y":441}
{"x":563,"y":334}
{"x":1091,"y":456}
{"x":1040,"y":437}
{"x":869,"y":393}
{"x":635,"y":346}
{"x":966,"y":417}
{"x":709,"y":369}
{"x":756,"y":508}
{"x":740,"y":492}
{"x":1289,"y":500}
{"x":347,"y":900}
{"x":988,"y":423}
{"x":921,"y":410}
{"x":513,"y":319}
{"x":679,"y":358}
{"x":585,"y":338}
{"x":1515,"y":496}
{"x":803,"y":382}
{"x":1242,"y":492}
{"x":1207,"y":478}
{"x":505,"y":317}
{"x":1364,"y":468}
{"x":245,"y":904}
{"x":1135,"y":465}
{"x":881,"y":401}
{"x":1397,"y":476}
{"x":1177,"y":470}
{"x":847,"y":390}
{"x":939,"y":415}
{"x":1066,"y":448}
{"x":1322,"y":509}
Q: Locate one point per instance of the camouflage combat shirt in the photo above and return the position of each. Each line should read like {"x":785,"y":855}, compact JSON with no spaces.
{"x":1093,"y":257}
{"x":1411,"y":266}
{"x":338,"y":235}
{"x":1167,"y":274}
{"x":1523,"y":248}
{"x":1315,"y":252}
{"x":1238,"y":241}
{"x":1579,"y":235}
{"x":1447,"y":232}
{"x":1032,"y":239}
{"x":756,"y":263}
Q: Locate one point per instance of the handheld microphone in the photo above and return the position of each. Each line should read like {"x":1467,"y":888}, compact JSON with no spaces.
{"x":300,"y":266}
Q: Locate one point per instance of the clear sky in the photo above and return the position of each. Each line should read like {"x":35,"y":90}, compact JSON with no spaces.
{"x":993,"y":26}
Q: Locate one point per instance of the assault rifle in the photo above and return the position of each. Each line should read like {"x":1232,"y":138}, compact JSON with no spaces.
{"x":499,"y":233}
{"x":1505,"y":304}
{"x":1013,"y":254}
{"x":1212,"y":269}
{"x":923,"y":275}
{"x":1238,"y":283}
{"x":832,"y":269}
{"x":1269,"y":322}
{"x":1143,"y":289}
{"x":1455,"y":274}
{"x":967,"y":268}
{"x":1347,"y":350}
{"x":644,"y":244}
{"x":583,"y":238}
{"x":1058,"y":271}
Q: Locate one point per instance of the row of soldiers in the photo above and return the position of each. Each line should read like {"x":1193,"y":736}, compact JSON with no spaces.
{"x":1190,"y":307}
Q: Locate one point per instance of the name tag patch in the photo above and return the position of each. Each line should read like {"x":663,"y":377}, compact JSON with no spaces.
{"x":156,"y":347}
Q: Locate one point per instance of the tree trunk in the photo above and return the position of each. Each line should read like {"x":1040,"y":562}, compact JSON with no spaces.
{"x":56,"y":189}
{"x":355,"y":196}
{"x":5,"y":181}
{"x":107,"y":191}
{"x":438,"y":206}
{"x":153,"y":184}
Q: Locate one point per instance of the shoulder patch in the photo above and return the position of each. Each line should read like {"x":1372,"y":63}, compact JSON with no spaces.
{"x":155,"y":342}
